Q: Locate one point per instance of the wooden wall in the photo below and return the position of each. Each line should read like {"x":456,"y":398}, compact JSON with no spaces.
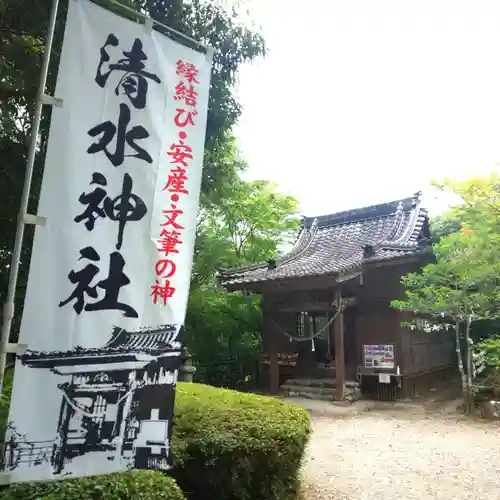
{"x":428,"y":351}
{"x":371,"y":321}
{"x":416,"y":352}
{"x":378,"y":323}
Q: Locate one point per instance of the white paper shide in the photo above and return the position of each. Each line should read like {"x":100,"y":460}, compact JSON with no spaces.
{"x":110,"y":271}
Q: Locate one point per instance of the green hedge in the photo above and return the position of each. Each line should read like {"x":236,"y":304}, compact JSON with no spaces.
{"x":226,"y":445}
{"x":229,"y":445}
{"x":143,"y":485}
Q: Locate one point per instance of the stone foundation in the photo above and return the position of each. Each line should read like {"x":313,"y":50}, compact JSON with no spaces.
{"x":320,"y":389}
{"x":352,"y":391}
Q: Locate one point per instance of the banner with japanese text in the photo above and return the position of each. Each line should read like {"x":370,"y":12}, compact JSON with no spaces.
{"x":111,"y":264}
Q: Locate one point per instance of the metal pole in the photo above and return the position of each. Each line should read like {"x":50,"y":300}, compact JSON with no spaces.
{"x":178,"y":34}
{"x":8,"y":313}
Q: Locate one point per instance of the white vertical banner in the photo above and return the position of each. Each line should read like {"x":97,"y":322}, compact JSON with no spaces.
{"x":110,"y":270}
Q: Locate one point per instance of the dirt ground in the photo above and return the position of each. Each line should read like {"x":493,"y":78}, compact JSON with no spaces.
{"x":400,"y":451}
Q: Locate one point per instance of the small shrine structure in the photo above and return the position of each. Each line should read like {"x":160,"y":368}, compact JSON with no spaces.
{"x":116,"y":402}
{"x":329,"y":329}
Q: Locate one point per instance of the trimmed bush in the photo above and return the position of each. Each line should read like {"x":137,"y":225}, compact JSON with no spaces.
{"x":229,"y":445}
{"x":143,"y":485}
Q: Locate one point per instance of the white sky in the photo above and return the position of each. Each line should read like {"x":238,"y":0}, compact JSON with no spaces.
{"x":366,"y":101}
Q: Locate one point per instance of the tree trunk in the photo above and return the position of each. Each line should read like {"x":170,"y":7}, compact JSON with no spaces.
{"x":461,"y":364}
{"x":470,"y":398}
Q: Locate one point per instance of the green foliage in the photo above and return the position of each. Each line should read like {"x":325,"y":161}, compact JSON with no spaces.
{"x":225,"y":159}
{"x":479,"y":206}
{"x":230,"y":445}
{"x":144,"y":485}
{"x":461,"y":283}
{"x":225,"y":445}
{"x":487,"y":384}
{"x":243,"y":222}
{"x":444,"y":225}
{"x":491,"y":349}
{"x":239,"y":221}
{"x":5,"y":400}
{"x":477,"y":212}
{"x":220,"y":325}
{"x":254,"y":219}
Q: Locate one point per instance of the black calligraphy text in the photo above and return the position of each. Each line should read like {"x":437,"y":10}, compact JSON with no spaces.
{"x":134,"y":81}
{"x":111,"y":285}
{"x":124,"y":208}
{"x":108,"y":131}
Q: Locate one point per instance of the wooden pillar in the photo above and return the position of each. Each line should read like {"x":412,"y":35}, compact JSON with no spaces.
{"x":274,"y":367}
{"x":339,"y":348}
{"x":272,"y":344}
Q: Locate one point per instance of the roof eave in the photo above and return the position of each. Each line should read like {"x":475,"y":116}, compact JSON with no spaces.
{"x":299,"y":246}
{"x":258,"y":285}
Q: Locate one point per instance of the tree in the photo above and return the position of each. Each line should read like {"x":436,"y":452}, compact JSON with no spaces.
{"x":248,"y":226}
{"x":477,"y":210}
{"x":445,"y":224}
{"x":221,"y":326}
{"x":240,"y":223}
{"x":460,"y":287}
{"x":487,"y":354}
{"x":255,"y":219}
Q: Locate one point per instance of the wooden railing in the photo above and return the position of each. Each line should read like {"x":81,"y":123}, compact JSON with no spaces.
{"x":284,"y":359}
{"x":32,"y":453}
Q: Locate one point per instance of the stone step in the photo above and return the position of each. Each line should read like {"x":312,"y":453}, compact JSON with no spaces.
{"x":298,"y":391}
{"x":320,"y":382}
{"x":321,"y":389}
{"x":312,"y":382}
{"x":312,"y":389}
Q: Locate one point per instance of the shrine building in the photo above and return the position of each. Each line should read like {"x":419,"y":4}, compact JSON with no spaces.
{"x":329,"y":328}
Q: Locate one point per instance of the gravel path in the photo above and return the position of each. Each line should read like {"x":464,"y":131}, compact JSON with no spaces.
{"x":401,"y":453}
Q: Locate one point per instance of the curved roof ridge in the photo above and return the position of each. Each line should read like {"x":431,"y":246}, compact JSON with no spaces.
{"x":412,"y":223}
{"x":422,"y":220}
{"x":117,"y":333}
{"x":396,"y":226}
{"x":413,"y":226}
{"x":305,"y":238}
{"x":230,"y":271}
{"x":360,"y":214}
{"x":290,"y":256}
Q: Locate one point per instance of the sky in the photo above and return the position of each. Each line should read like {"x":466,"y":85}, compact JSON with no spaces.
{"x":365,"y":101}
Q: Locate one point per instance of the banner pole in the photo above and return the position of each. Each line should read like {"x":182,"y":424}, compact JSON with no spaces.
{"x":41,"y":99}
{"x":144,"y":17}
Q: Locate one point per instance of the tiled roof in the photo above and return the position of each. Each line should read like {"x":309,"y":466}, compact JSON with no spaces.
{"x":143,"y":339}
{"x":150,"y":341}
{"x":341,"y":242}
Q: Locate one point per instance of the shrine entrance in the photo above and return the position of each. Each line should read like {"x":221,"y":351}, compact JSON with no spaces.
{"x":316,"y":326}
{"x":90,"y":420}
{"x":318,"y":355}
